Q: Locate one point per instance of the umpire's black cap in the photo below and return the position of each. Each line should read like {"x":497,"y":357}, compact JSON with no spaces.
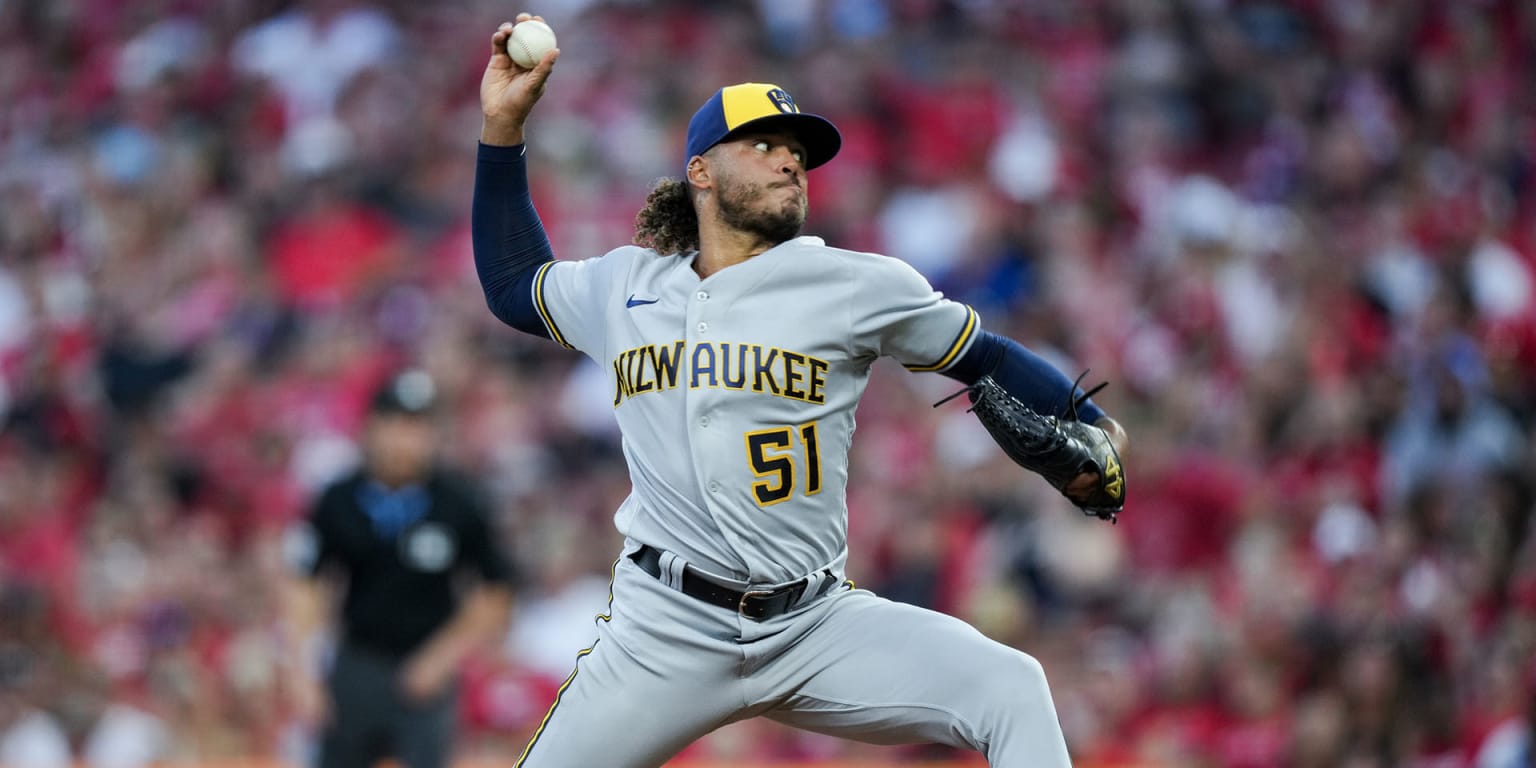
{"x":410,"y":393}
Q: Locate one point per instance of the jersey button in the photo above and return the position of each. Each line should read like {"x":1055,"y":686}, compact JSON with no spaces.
{"x":703,"y":327}
{"x":703,"y":421}
{"x":714,"y":487}
{"x":703,"y":295}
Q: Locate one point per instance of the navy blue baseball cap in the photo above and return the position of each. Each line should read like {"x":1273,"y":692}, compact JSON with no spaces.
{"x":764,"y":107}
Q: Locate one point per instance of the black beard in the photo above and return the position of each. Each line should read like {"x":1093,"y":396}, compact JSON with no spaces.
{"x":773,"y":226}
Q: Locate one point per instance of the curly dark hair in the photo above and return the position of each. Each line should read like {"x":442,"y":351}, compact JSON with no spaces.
{"x":668,"y":224}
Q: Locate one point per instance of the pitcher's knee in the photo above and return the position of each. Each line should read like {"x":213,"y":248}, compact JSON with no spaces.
{"x":1030,"y":671}
{"x":1017,"y":725}
{"x":1016,"y":678}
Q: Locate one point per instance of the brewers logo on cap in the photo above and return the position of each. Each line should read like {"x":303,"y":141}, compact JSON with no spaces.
{"x":781,"y":98}
{"x":762,"y":106}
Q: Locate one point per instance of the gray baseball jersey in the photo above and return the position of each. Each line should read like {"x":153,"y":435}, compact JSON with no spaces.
{"x":735,"y":395}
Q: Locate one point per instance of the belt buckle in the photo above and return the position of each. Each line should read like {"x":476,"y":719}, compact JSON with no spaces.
{"x":741,"y":605}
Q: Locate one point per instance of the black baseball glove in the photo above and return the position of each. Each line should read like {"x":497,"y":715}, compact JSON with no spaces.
{"x":1057,"y":448}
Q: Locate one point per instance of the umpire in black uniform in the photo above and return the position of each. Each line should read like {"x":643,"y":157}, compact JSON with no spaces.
{"x":425,"y":585}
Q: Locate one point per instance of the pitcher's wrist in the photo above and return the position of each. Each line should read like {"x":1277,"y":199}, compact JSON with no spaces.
{"x":501,"y":132}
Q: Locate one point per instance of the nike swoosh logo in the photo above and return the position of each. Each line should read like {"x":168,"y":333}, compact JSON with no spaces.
{"x":634,"y":302}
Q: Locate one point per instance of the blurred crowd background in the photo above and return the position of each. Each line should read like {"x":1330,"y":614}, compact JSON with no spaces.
{"x":1298,"y":238}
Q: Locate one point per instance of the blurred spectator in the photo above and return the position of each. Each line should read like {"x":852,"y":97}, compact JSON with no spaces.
{"x":1298,"y":237}
{"x":29,"y":735}
{"x":310,"y":52}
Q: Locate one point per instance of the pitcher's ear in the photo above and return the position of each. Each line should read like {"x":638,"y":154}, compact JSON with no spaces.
{"x":698,"y":172}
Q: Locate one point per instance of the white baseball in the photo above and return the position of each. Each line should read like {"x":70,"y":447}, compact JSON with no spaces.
{"x":529,"y":42}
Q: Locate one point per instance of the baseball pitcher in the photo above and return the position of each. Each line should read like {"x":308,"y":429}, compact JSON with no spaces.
{"x":738,"y":350}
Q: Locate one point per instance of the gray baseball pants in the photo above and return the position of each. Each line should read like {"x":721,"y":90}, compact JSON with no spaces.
{"x":667,"y":669}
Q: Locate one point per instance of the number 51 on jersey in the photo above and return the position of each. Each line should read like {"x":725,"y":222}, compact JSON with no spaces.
{"x":772,"y":455}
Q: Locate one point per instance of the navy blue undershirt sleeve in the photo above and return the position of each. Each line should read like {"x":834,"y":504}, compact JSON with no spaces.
{"x":509,"y":240}
{"x":1023,"y":373}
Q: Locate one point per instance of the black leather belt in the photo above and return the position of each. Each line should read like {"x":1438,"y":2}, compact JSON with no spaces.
{"x":756,"y":604}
